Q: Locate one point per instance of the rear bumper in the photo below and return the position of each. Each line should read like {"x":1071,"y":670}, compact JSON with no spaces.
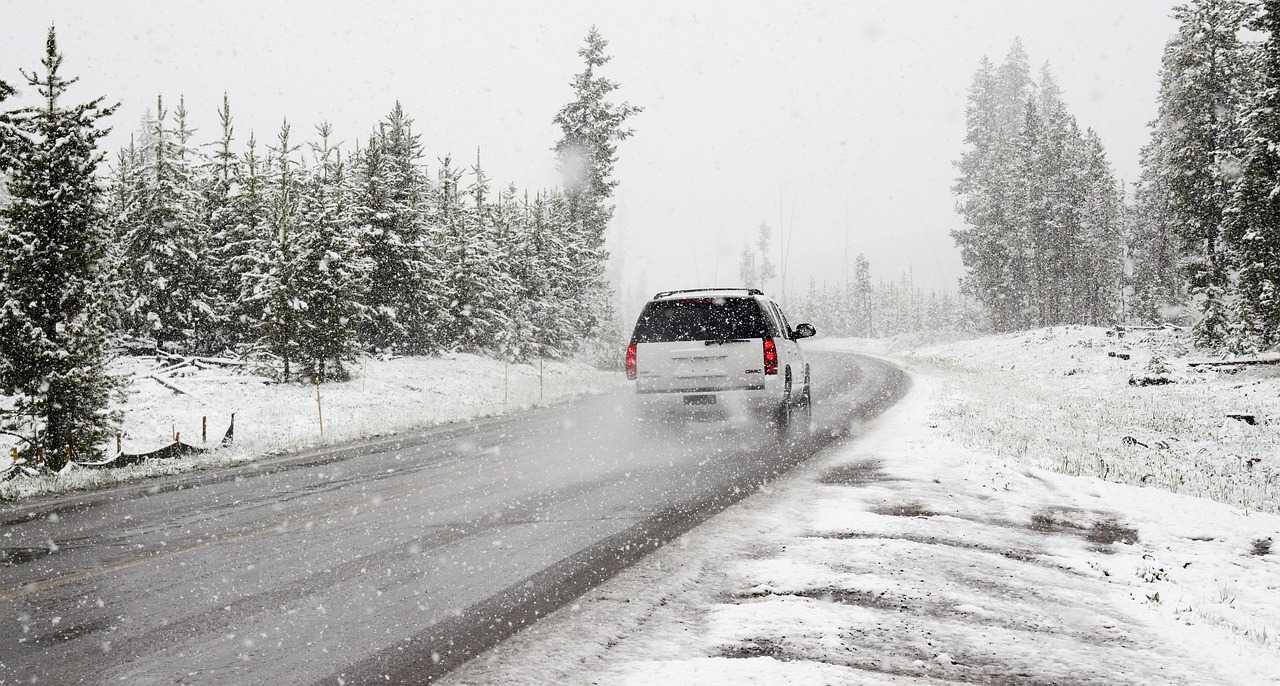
{"x":753,"y":397}
{"x":697,"y":390}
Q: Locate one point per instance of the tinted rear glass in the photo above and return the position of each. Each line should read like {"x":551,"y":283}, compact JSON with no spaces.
{"x":700,"y":319}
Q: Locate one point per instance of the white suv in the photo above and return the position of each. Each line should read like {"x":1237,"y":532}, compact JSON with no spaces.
{"x":730,"y":347}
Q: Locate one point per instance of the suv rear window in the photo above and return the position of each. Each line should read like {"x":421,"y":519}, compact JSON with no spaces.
{"x":700,"y":319}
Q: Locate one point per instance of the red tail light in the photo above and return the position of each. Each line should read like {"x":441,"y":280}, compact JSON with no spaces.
{"x":631,"y":361}
{"x":770,"y":356}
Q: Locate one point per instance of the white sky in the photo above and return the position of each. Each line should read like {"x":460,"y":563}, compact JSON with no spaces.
{"x":842,"y":118}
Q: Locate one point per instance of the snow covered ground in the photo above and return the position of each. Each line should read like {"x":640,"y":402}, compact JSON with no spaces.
{"x":924,"y":552}
{"x":1057,"y":398}
{"x":384,"y":397}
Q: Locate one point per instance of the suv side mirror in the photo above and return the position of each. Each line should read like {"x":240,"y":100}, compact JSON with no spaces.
{"x":804,"y":331}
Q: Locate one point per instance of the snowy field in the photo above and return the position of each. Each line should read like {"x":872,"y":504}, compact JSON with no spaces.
{"x":928,"y":552}
{"x":1057,"y":398}
{"x":384,"y":397}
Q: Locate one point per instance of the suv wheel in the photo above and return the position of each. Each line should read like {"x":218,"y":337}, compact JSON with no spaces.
{"x":783,"y":414}
{"x":804,"y":415}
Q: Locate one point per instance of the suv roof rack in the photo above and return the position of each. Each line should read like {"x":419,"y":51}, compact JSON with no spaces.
{"x":749,"y":291}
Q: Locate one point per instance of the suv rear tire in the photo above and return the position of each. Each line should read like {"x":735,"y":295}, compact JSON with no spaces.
{"x":805,"y":414}
{"x":783,"y":413}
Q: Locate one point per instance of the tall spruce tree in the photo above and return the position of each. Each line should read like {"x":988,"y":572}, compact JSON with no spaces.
{"x":1201,"y":89}
{"x":277,"y":286}
{"x":994,"y":208}
{"x":1153,"y":247}
{"x":241,"y":248}
{"x":488,"y":317}
{"x":980,"y":249}
{"x":390,"y":206}
{"x":1253,"y":224}
{"x":466,"y":266}
{"x":556,"y":319}
{"x":1056,"y":239}
{"x":53,"y":242}
{"x":330,"y":272}
{"x":166,"y":241}
{"x":218,"y":188}
{"x":1098,"y":266}
{"x":591,"y":126}
{"x":864,"y":324}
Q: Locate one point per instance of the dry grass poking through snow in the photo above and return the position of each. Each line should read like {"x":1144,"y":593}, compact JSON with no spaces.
{"x":1055,"y":398}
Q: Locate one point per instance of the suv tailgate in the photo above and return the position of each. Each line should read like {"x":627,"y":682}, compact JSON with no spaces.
{"x":700,"y":345}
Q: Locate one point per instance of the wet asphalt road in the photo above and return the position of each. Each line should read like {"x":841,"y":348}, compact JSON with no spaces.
{"x":382,"y":561}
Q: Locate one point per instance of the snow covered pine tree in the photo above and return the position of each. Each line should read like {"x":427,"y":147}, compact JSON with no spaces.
{"x":167,"y":275}
{"x":53,"y":240}
{"x":1253,"y":224}
{"x":591,"y":127}
{"x":1200,"y":95}
{"x":331,"y":276}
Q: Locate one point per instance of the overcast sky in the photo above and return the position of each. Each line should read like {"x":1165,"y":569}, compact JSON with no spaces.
{"x":839,"y":120}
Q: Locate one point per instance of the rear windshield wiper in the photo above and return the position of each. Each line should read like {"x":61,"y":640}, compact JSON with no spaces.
{"x":727,"y":340}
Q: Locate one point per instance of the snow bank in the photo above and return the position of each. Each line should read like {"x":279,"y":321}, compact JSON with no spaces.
{"x":384,"y":396}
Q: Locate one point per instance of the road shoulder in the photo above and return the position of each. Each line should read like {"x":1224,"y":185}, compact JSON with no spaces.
{"x":901,"y":556}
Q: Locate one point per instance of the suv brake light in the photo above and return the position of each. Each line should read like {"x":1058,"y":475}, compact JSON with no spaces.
{"x":770,"y":356}
{"x":631,"y":361}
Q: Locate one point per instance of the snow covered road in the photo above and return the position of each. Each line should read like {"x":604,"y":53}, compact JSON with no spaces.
{"x":394,"y":559}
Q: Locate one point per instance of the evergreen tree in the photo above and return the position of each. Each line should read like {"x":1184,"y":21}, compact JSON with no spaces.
{"x":748,"y":270}
{"x":122,"y":185}
{"x":1056,"y":239}
{"x":330,"y":273}
{"x":219,"y":188}
{"x":1098,"y":266}
{"x":371,"y":213}
{"x":515,"y":260}
{"x":244,"y":244}
{"x":1254,"y":220}
{"x":277,"y":286}
{"x":865,"y":324}
{"x":591,"y":127}
{"x":407,"y":297}
{"x":765,"y":268}
{"x":559,"y":319}
{"x":1153,"y":246}
{"x":53,"y":241}
{"x":169,"y":288}
{"x":474,"y":273}
{"x":1201,"y":87}
{"x":995,"y":158}
{"x":1021,"y":273}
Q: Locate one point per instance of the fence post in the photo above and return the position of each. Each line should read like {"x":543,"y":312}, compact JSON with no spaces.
{"x":319,"y":408}
{"x":204,"y":429}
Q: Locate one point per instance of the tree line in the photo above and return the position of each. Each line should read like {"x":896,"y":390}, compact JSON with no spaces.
{"x":864,"y":307}
{"x":1042,"y":209}
{"x":1206,"y":223}
{"x":1048,"y":235}
{"x":299,"y":250}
